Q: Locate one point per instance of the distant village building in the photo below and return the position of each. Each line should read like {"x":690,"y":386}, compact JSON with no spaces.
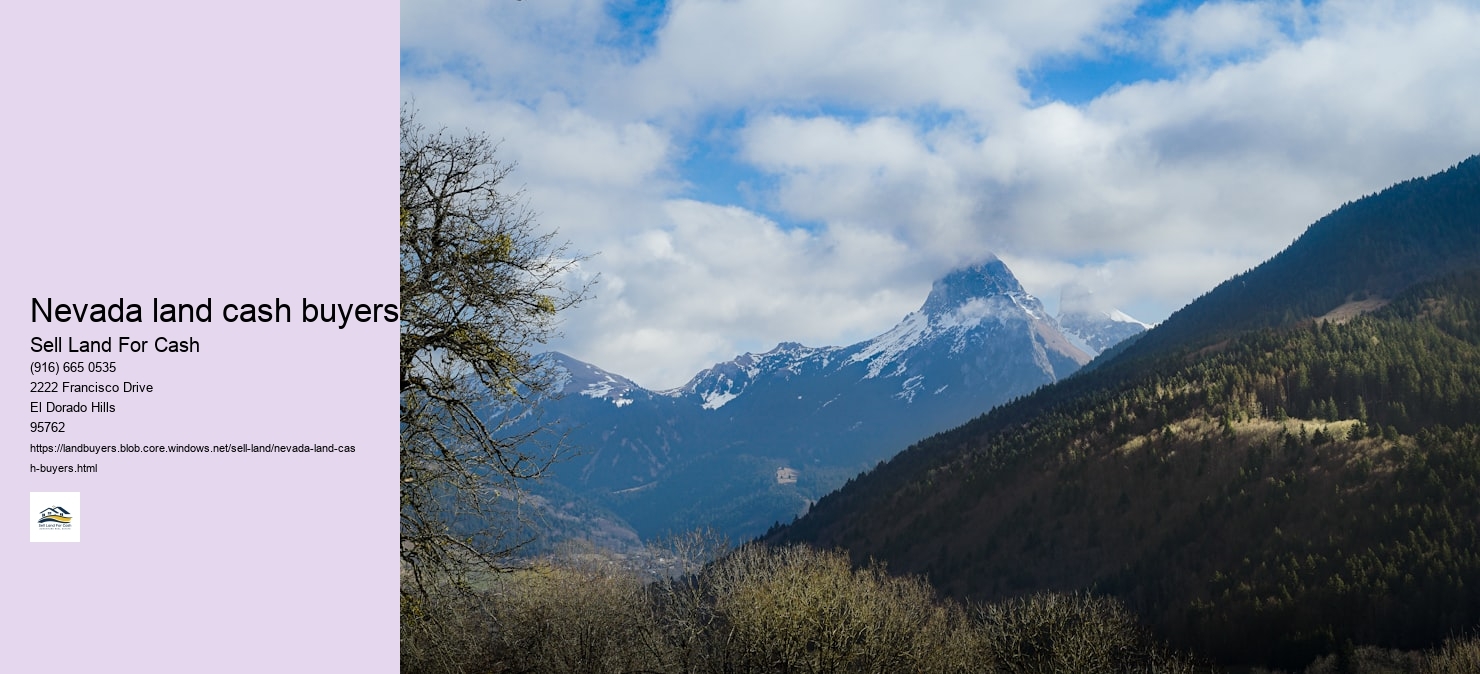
{"x":786,"y":475}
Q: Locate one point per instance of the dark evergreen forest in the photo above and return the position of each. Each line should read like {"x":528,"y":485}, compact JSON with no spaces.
{"x":1268,"y":476}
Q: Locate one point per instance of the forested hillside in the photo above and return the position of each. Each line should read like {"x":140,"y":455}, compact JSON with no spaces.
{"x":1374,"y":247}
{"x":1261,"y":484}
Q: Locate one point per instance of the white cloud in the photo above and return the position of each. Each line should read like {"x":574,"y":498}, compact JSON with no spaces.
{"x":1218,"y":30}
{"x":784,"y":144}
{"x":712,"y":280}
{"x":514,"y":51}
{"x":962,"y":55}
{"x":903,"y":139}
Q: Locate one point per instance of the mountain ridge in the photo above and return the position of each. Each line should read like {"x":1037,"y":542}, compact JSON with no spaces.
{"x":1258,"y":484}
{"x":977,"y":340}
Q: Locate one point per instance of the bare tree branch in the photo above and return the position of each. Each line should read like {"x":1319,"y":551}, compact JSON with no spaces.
{"x":481,"y":288}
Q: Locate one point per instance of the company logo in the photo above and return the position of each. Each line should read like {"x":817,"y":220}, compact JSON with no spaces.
{"x":56,"y":515}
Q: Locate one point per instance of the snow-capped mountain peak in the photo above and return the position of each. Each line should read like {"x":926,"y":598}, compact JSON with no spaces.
{"x":960,"y":304}
{"x":588,"y":380}
{"x":708,"y":452}
{"x":725,"y":381}
{"x":1090,"y":324}
{"x":964,"y":285}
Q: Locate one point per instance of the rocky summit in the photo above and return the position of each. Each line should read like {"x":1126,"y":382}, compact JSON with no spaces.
{"x":757,"y":439}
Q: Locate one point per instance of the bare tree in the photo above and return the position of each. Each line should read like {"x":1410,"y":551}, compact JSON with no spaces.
{"x":481,"y":288}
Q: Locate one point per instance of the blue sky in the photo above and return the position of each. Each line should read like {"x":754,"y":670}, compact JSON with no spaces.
{"x":752,"y":171}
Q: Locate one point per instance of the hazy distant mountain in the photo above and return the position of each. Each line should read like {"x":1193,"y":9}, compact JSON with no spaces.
{"x":755,"y":440}
{"x":1289,"y":462}
{"x":1092,"y":326}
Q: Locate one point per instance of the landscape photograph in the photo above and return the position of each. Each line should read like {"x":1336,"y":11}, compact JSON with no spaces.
{"x":823,"y":336}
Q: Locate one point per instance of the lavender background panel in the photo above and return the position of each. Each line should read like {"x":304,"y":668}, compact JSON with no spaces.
{"x":240,"y":152}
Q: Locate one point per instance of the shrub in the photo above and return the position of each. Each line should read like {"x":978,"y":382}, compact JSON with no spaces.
{"x":794,"y":610}
{"x":583,"y":616}
{"x":1457,"y":656}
